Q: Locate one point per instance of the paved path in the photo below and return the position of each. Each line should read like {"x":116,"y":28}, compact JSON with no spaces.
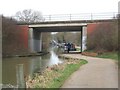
{"x":98,"y":73}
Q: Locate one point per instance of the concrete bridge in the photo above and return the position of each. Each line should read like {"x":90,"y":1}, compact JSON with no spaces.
{"x":35,"y":30}
{"x":65,"y":23}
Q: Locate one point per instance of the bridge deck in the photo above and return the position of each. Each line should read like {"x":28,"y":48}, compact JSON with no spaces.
{"x":72,"y":21}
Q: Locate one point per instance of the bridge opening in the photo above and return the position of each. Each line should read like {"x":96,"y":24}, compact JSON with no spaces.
{"x":36,"y":30}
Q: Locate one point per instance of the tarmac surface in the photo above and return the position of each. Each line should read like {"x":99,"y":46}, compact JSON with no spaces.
{"x":97,"y":73}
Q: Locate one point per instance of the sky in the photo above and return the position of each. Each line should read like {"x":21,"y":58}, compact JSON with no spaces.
{"x":50,"y":7}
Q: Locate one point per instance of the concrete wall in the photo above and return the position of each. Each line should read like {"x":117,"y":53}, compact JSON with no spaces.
{"x":34,"y":40}
{"x":84,"y":38}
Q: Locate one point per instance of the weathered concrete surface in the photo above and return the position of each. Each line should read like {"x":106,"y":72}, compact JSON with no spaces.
{"x":98,"y":73}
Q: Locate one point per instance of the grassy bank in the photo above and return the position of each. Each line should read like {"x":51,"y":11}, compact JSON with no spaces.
{"x":110,"y":55}
{"x":54,"y":77}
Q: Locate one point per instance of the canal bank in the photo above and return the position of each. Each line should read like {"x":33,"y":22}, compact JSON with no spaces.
{"x":39,"y":65}
{"x":26,"y":55}
{"x":31,"y":65}
{"x":55,"y":75}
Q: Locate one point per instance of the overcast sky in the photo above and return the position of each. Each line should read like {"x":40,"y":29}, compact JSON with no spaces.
{"x":46,"y":7}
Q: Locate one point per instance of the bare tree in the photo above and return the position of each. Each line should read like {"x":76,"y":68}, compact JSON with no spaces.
{"x":28,"y":16}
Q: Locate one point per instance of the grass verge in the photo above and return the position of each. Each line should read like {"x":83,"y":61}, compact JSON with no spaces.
{"x":69,"y":69}
{"x":110,"y":55}
{"x":55,"y":76}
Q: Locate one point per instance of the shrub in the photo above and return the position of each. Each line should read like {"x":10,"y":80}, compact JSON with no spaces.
{"x":104,"y":37}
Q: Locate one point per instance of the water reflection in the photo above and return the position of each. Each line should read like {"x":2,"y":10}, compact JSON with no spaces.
{"x":54,"y":58}
{"x":35,"y":64}
{"x":31,"y":65}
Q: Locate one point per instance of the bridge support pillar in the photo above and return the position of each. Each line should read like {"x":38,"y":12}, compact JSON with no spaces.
{"x":35,"y":41}
{"x":83,"y":38}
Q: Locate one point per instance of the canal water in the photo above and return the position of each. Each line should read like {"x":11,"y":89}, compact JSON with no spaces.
{"x":31,"y":65}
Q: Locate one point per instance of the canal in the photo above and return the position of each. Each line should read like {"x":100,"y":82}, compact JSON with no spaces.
{"x":31,"y":65}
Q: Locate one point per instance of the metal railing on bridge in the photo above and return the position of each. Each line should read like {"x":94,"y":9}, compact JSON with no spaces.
{"x":81,"y":16}
{"x":76,"y":17}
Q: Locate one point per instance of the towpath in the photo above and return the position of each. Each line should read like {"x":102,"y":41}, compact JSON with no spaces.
{"x":97,"y":73}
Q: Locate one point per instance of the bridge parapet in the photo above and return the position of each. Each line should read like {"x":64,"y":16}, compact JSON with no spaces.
{"x":80,"y":16}
{"x":75,"y":18}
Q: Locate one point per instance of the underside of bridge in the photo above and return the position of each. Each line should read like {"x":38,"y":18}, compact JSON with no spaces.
{"x":59,"y":29}
{"x":35,"y":36}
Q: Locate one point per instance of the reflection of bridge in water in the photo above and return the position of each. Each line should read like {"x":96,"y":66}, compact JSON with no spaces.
{"x":65,"y":23}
